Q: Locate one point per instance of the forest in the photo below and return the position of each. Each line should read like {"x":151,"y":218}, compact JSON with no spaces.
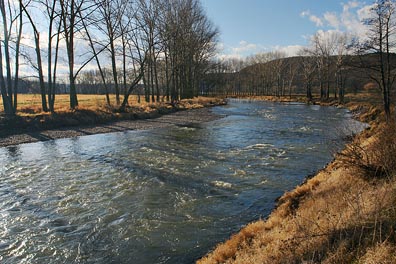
{"x":160,"y":48}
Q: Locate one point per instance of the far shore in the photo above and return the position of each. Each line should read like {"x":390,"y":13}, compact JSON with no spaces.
{"x":361,"y":109}
{"x":30,"y":130}
{"x":179,"y":118}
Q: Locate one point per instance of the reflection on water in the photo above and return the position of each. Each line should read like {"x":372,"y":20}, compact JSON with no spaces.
{"x":158,"y":196}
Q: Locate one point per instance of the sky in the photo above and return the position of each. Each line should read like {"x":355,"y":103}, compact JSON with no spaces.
{"x":252,"y":26}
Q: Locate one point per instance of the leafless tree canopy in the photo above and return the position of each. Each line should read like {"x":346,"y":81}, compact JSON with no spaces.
{"x":161,"y":47}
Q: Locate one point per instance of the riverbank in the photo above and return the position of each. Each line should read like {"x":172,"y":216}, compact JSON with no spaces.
{"x":346,"y":213}
{"x":360,"y":107}
{"x":42,"y":127}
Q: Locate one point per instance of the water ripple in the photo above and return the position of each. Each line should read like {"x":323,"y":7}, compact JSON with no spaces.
{"x":160,"y":196}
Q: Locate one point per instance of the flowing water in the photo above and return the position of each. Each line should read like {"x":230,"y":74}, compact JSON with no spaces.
{"x":159,"y":196}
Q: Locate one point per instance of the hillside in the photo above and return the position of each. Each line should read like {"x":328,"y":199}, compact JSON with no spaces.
{"x":293,"y":75}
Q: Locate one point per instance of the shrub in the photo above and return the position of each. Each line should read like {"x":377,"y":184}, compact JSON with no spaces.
{"x":375,"y":158}
{"x":384,"y":150}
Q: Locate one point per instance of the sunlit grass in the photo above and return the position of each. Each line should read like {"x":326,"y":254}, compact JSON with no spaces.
{"x":30,"y":104}
{"x":368,"y":97}
{"x":92,"y":110}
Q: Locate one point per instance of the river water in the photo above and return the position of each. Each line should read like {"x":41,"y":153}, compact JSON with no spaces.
{"x":159,"y":196}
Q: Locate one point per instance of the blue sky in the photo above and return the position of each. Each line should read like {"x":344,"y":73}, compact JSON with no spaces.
{"x":251,"y":26}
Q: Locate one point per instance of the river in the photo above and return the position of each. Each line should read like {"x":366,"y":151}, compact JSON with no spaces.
{"x":165,"y":195}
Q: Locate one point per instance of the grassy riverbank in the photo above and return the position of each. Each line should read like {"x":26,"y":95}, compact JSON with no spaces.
{"x":346,"y":213}
{"x":92,"y":110}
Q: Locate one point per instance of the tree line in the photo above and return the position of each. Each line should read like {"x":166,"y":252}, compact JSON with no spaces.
{"x":322,"y":64}
{"x":162,"y":47}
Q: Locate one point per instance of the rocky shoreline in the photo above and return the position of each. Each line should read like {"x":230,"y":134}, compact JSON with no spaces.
{"x":17,"y":136}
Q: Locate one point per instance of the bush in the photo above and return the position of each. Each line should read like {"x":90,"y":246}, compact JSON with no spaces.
{"x":384,"y":150}
{"x":375,"y":158}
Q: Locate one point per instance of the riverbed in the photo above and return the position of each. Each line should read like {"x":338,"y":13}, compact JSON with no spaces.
{"x":162,"y":195}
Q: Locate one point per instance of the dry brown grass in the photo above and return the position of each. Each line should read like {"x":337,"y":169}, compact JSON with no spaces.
{"x":92,"y":110}
{"x":371,"y":98}
{"x":365,"y":106}
{"x":345,"y":214}
{"x":383,"y":253}
{"x":30,"y":104}
{"x":376,"y":156}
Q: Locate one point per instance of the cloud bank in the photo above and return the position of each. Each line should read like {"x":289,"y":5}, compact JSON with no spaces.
{"x":348,"y":20}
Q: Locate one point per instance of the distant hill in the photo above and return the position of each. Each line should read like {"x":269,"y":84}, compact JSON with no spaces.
{"x":289,"y":75}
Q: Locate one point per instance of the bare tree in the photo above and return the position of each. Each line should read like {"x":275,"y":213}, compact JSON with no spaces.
{"x":12,"y":22}
{"x":72,"y":13}
{"x":108,"y":18}
{"x":69,"y":14}
{"x":292,"y":68}
{"x":277,"y":67}
{"x":54,"y":27}
{"x":138,"y":50}
{"x":324,"y":48}
{"x":188,"y":38}
{"x":38,"y":65}
{"x":148,"y":17}
{"x":340,"y":74}
{"x":96,"y":53}
{"x":309,"y":66}
{"x":375,"y":52}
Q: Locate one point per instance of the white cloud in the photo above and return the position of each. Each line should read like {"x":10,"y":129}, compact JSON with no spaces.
{"x":352,"y":17}
{"x":348,"y":20}
{"x":327,"y":34}
{"x":245,"y":47}
{"x":305,"y":13}
{"x":332,"y":19}
{"x":226,"y":53}
{"x":318,"y":21}
{"x":225,"y":57}
{"x":364,"y":12}
{"x":350,"y":5}
{"x":290,"y":51}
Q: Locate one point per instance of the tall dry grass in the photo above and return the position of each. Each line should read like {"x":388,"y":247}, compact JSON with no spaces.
{"x":376,"y":157}
{"x":92,"y":110}
{"x":30,"y":104}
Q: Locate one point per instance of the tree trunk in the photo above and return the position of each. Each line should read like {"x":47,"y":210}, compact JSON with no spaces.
{"x":131,"y":88}
{"x":40,"y":73}
{"x":114,"y":69}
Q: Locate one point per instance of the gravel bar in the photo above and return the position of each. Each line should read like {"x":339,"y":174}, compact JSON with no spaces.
{"x":180,"y":118}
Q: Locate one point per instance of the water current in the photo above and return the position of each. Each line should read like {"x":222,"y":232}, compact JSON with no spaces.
{"x":159,"y":196}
